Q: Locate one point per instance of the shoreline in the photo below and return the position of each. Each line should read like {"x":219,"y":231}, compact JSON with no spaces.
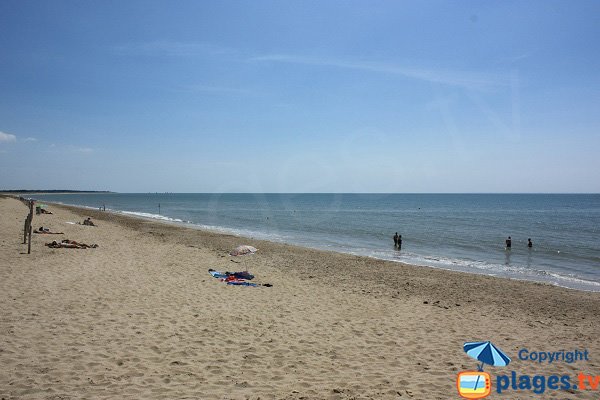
{"x":140,"y":317}
{"x":137,"y":222}
{"x":579,"y":284}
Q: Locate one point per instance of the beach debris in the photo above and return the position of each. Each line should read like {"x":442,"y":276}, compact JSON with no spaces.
{"x":243,"y":250}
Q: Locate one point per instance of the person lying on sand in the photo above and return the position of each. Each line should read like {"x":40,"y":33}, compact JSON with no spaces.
{"x":88,"y":221}
{"x":70,"y":244}
{"x":47,"y":231}
{"x":44,"y":211}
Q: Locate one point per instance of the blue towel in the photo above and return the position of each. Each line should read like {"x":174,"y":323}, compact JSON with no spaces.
{"x":237,"y":283}
{"x":217,"y":274}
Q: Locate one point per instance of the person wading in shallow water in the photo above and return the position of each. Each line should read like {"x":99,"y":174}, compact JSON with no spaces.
{"x":508,"y":243}
{"x":396,"y":239}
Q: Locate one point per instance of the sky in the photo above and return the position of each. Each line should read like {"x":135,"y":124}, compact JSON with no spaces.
{"x":300,"y":96}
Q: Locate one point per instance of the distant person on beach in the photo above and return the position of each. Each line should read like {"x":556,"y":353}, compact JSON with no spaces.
{"x":89,"y":222}
{"x":396,"y":239}
{"x":529,"y":243}
{"x":399,"y":242}
{"x":70,"y":244}
{"x":508,"y":243}
{"x":46,"y":231}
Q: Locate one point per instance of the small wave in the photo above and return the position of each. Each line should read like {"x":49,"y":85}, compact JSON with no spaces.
{"x":242,"y":233}
{"x":507,"y":271}
{"x":152,"y":216}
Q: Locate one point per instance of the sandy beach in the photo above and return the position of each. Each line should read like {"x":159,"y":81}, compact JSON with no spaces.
{"x":139,"y":317}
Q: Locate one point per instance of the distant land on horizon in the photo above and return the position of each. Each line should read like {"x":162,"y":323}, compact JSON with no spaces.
{"x":54,"y":191}
{"x":69,"y":191}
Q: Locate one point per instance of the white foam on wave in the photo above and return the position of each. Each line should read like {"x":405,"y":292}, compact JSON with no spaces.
{"x":273,"y":237}
{"x":152,"y":216}
{"x":490,"y":269}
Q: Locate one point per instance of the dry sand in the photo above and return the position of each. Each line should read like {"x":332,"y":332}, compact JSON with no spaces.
{"x":140,"y":318}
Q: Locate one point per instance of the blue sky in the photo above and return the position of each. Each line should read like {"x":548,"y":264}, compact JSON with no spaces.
{"x":300,"y":96}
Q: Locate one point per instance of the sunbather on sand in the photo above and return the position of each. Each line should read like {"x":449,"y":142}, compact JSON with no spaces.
{"x":88,"y":221}
{"x":47,"y":231}
{"x":70,"y":244}
{"x":44,"y":211}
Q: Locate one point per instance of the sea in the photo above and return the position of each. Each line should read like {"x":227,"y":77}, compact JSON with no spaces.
{"x":461,"y":232}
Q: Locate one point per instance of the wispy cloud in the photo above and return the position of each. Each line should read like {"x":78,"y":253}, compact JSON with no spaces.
{"x":66,"y":149}
{"x":467,"y":79}
{"x":214,"y":89}
{"x":7,"y":137}
{"x":30,"y":139}
{"x":170,"y":48}
{"x":513,"y":59}
{"x":520,"y":57}
{"x":76,"y":149}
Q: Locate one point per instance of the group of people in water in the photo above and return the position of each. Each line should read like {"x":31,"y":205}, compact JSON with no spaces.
{"x":508,"y":242}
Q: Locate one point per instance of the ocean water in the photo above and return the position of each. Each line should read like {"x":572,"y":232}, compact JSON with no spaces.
{"x":463,"y":232}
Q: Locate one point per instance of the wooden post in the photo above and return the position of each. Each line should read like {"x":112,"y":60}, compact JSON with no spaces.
{"x":27,"y":227}
{"x":29,"y":245}
{"x":25,"y":230}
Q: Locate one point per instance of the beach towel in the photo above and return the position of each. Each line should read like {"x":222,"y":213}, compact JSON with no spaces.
{"x":242,"y":275}
{"x":235,"y":278}
{"x":218,"y":274}
{"x":237,"y":275}
{"x":241,"y":283}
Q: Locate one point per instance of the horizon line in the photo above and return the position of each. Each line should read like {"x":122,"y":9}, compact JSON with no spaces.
{"x":71,"y":191}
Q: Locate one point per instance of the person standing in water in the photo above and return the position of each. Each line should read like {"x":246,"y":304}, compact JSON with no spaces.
{"x":399,"y":242}
{"x":529,"y":243}
{"x":396,"y":239}
{"x":508,"y":243}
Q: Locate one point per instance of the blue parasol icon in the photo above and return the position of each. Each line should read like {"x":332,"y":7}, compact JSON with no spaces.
{"x":487,"y":353}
